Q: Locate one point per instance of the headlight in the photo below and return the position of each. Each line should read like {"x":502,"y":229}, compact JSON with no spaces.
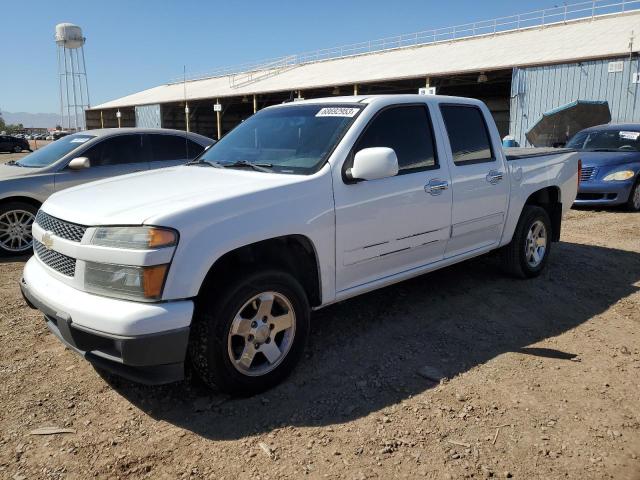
{"x":137,"y":238}
{"x":123,"y":281}
{"x":619,"y":175}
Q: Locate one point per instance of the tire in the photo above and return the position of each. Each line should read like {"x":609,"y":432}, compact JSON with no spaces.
{"x":17,"y":149}
{"x":633,"y":203}
{"x":518,"y":257}
{"x":16,"y":218}
{"x":231,"y":363}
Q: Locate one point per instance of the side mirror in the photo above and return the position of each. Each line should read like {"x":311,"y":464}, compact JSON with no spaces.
{"x":374,"y":163}
{"x":79,"y":163}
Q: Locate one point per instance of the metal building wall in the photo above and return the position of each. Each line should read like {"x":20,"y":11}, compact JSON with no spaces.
{"x":536,"y":90}
{"x":148,"y":116}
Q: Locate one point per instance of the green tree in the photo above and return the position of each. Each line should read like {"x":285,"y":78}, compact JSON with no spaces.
{"x":2,"y":124}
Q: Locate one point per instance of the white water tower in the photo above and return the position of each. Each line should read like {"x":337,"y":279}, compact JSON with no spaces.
{"x":72,"y":74}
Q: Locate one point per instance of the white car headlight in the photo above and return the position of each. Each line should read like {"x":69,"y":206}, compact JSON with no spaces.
{"x":137,"y":238}
{"x":128,"y":281}
{"x":619,"y":175}
{"x":124,"y":281}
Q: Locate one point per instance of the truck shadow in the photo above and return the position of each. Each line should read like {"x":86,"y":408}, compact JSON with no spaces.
{"x":364,"y":354}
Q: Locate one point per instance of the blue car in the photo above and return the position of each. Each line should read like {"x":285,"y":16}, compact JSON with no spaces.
{"x":610,"y":165}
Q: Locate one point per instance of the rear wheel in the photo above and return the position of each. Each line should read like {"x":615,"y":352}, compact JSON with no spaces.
{"x":527,"y":254}
{"x":16,"y":220}
{"x":633,"y":203}
{"x":249,"y":336}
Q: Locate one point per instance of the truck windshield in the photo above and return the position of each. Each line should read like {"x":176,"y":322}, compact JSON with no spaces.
{"x":289,"y":139}
{"x":606,"y":140}
{"x":57,"y":149}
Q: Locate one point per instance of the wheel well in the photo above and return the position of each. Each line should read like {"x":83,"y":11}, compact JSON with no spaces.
{"x":30,"y":201}
{"x":549,"y":199}
{"x":294,"y":254}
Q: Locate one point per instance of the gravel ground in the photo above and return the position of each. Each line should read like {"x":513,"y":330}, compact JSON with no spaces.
{"x":541,"y":379}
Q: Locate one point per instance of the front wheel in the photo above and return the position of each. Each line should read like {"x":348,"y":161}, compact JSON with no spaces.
{"x":16,"y":220}
{"x":633,"y":203}
{"x":17,"y":149}
{"x":249,"y":336}
{"x":527,"y":254}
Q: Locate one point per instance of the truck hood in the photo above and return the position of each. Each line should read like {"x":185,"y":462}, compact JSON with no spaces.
{"x":601,"y":159}
{"x":135,"y":198}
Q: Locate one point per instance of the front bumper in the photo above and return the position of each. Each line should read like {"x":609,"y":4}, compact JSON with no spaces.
{"x":151,"y":357}
{"x":603,"y":193}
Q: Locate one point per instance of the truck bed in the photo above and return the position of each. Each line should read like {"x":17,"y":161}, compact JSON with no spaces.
{"x":517,"y":153}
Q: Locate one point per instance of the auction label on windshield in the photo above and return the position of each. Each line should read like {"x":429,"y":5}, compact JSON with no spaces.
{"x":629,"y":135}
{"x":337,"y":112}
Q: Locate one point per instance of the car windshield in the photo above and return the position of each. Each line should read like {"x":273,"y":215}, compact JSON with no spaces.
{"x":289,"y":139}
{"x":607,"y":140}
{"x":45,"y":156}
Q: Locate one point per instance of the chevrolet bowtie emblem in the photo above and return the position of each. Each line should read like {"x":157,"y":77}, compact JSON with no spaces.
{"x":47,"y":239}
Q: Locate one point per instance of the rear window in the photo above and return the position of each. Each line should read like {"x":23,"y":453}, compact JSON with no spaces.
{"x":468,"y":134}
{"x":173,"y":147}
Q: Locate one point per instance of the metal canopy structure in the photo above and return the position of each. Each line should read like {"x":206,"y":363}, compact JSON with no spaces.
{"x":593,"y":37}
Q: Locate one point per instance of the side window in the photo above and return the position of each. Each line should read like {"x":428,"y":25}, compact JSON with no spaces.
{"x":119,"y":150}
{"x":173,"y":147}
{"x":407,"y":130}
{"x":468,"y":134}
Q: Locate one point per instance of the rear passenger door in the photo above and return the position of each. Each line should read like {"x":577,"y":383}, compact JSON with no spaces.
{"x":117,"y":155}
{"x":388,"y":226}
{"x":479,"y":182}
{"x":171,"y":150}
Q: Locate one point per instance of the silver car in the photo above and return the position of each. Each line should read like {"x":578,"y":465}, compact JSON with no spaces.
{"x":80,"y":158}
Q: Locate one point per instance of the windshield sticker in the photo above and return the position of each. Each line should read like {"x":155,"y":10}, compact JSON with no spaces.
{"x":80,"y":140}
{"x":629,"y":135}
{"x":337,"y":112}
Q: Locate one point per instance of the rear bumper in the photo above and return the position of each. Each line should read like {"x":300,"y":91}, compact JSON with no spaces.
{"x":149,"y":358}
{"x":603,"y":193}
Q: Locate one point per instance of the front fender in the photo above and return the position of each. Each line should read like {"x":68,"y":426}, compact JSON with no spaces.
{"x":209,"y":232}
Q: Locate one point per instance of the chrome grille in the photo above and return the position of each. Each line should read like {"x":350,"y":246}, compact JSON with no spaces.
{"x":60,"y":228}
{"x":587,"y":173}
{"x":59,"y":262}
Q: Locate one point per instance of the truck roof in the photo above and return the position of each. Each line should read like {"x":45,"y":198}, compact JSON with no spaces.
{"x":372,"y":99}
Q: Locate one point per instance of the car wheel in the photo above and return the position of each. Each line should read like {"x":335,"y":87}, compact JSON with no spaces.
{"x":249,"y":336}
{"x":17,"y":149}
{"x":633,"y":203}
{"x":527,"y":254}
{"x":16,"y":220}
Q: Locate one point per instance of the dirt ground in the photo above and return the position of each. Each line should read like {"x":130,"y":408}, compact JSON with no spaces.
{"x":542,"y":381}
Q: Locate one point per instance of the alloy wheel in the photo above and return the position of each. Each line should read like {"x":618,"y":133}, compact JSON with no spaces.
{"x":536,"y":244}
{"x":15,"y":231}
{"x":261,"y":334}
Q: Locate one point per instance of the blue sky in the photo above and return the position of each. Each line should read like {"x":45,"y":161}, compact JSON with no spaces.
{"x":137,"y":44}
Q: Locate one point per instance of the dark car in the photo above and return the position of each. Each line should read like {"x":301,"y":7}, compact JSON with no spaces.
{"x":610,"y":165}
{"x":13,"y":144}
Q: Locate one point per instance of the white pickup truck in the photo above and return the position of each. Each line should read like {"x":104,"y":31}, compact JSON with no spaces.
{"x":218,"y":263}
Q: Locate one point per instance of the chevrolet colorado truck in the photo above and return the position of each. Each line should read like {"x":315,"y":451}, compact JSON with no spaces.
{"x":217,"y":264}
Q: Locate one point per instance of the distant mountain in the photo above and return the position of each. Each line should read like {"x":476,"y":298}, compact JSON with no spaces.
{"x":37,"y":120}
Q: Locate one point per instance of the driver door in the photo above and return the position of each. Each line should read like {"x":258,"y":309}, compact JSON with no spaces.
{"x":391,"y":225}
{"x":117,"y":155}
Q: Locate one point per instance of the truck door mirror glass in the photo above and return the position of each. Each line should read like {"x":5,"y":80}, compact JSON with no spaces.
{"x":79,"y":163}
{"x":374,"y":163}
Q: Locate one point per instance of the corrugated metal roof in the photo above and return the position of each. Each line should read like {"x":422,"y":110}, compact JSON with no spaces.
{"x":600,"y":37}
